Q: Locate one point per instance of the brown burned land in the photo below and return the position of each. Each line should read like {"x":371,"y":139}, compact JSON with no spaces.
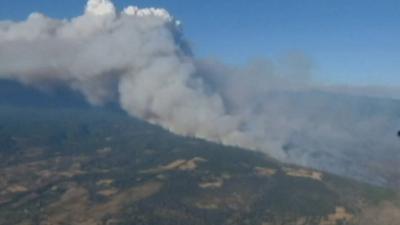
{"x":86,"y":167}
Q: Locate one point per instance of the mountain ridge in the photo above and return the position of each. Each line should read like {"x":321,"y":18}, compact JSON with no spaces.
{"x":89,"y":166}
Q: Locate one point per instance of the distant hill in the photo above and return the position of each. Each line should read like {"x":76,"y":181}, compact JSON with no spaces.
{"x":15,"y":94}
{"x":88,"y":166}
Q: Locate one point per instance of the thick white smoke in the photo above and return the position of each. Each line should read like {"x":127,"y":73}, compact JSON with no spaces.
{"x":138,"y":58}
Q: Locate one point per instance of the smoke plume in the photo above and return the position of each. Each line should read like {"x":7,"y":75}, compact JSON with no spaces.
{"x":139,"y":58}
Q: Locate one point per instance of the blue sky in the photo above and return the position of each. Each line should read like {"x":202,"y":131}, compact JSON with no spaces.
{"x":350,"y":41}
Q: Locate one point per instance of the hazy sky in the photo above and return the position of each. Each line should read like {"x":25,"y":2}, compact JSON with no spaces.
{"x":350,"y":41}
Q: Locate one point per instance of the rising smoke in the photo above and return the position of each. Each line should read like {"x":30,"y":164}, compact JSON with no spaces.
{"x":138,"y":58}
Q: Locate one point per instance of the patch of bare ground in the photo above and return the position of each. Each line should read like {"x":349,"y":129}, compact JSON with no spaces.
{"x":212,"y":184}
{"x":238,"y":201}
{"x":16,"y":189}
{"x":315,"y":175}
{"x":70,"y":207}
{"x":340,"y":215}
{"x":386,"y":213}
{"x":105,"y":182}
{"x":215,"y":182}
{"x":73,"y":170}
{"x":108,"y":192}
{"x":264,"y":171}
{"x":74,"y":205}
{"x":180,"y":164}
{"x":30,"y":177}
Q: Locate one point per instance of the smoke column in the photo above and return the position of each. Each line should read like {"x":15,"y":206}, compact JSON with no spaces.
{"x":139,"y":58}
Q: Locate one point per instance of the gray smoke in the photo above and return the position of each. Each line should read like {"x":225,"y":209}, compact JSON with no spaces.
{"x":139,"y":58}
